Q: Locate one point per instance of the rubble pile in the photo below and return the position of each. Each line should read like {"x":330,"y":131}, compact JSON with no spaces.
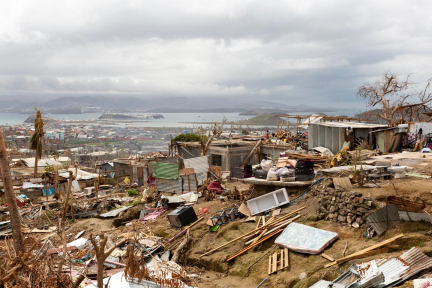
{"x":339,"y":205}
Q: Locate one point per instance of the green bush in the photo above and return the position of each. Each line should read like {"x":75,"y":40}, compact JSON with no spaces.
{"x":132,"y":192}
{"x":190,"y":138}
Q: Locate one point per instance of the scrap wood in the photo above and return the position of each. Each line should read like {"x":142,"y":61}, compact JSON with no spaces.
{"x":327,"y":257}
{"x":366,"y":252}
{"x":278,"y":261}
{"x":181,"y":233}
{"x":261,"y":221}
{"x":363,"y":255}
{"x":281,"y":219}
{"x":251,"y":246}
{"x":253,"y":151}
{"x":405,"y":204}
{"x":346,"y":245}
{"x":273,"y":229}
{"x":264,"y":232}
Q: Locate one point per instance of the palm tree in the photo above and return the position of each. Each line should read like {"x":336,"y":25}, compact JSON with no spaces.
{"x":37,"y":138}
{"x":10,"y":196}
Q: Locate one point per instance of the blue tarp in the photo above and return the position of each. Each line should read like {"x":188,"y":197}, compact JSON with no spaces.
{"x":50,"y":191}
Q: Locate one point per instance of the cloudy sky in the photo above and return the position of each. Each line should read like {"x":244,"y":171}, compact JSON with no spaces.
{"x":300,"y":52}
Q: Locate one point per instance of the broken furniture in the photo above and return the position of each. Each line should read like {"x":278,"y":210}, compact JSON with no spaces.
{"x":225,"y":216}
{"x":268,"y":201}
{"x":182,"y":216}
{"x":305,"y":239}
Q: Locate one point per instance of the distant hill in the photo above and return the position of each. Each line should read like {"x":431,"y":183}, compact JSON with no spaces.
{"x":154,"y":104}
{"x":266,"y":119}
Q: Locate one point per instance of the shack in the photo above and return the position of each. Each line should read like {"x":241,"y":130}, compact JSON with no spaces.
{"x":332,"y":135}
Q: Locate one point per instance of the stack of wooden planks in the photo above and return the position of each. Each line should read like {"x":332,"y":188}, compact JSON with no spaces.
{"x":269,"y":229}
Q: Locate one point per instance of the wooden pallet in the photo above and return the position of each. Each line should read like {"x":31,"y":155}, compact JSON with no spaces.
{"x":278,"y":261}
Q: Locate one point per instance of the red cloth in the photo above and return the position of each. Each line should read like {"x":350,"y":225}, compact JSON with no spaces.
{"x":215,"y":185}
{"x":151,"y":179}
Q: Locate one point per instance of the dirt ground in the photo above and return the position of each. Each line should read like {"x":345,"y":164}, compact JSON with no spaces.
{"x":215,"y":271}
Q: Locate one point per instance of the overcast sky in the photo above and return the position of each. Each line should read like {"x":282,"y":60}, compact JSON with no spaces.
{"x":300,"y":52}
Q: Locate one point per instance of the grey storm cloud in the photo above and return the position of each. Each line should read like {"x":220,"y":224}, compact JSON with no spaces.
{"x":298,"y":52}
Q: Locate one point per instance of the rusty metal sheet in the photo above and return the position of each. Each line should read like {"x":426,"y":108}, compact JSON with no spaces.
{"x":190,"y":183}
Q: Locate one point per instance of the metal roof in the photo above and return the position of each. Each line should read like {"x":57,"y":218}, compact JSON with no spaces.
{"x":417,"y":260}
{"x":353,"y":125}
{"x":384,"y":218}
{"x":165,"y":170}
{"x":200,"y":165}
{"x":115,"y":212}
{"x":170,"y":185}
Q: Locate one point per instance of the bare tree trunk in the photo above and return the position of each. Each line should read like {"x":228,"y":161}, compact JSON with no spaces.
{"x":63,"y":223}
{"x":179,"y":249}
{"x":36,"y":159}
{"x":101,"y":255}
{"x":10,"y":196}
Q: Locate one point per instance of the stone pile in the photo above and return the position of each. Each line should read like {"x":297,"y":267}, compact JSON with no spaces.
{"x":339,"y":205}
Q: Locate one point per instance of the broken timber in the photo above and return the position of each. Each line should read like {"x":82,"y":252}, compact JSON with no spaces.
{"x":327,"y":257}
{"x":370,"y":251}
{"x":253,"y":245}
{"x":261,"y":221}
{"x":284,"y":217}
{"x":257,"y":145}
{"x":278,"y":261}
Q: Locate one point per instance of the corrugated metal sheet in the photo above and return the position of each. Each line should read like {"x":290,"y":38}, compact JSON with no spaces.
{"x":326,"y":284}
{"x":348,"y":277}
{"x":392,"y":270}
{"x":190,"y":183}
{"x":384,"y":218}
{"x":115,"y":212}
{"x":371,"y":281}
{"x":200,"y":165}
{"x":418,"y":262}
{"x":165,"y":171}
{"x":171,"y":186}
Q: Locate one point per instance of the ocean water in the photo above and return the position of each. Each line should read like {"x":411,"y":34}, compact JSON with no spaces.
{"x":169,"y":120}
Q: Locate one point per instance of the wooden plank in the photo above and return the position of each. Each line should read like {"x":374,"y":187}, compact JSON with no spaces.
{"x":327,"y":257}
{"x":251,"y":246}
{"x":376,"y":246}
{"x":343,"y":182}
{"x":357,"y":256}
{"x":274,"y":263}
{"x":285,"y":258}
{"x":270,"y":265}
{"x":281,"y":219}
{"x":365,"y":252}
